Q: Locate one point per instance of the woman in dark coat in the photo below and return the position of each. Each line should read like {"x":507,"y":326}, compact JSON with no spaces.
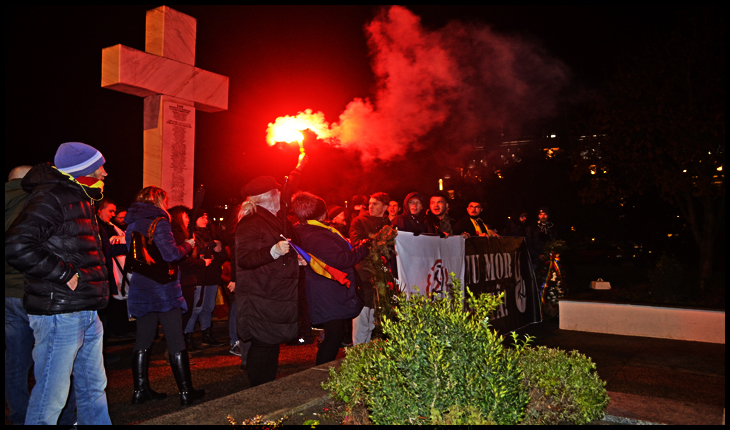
{"x":267,"y":274}
{"x":332,"y":305}
{"x":189,"y":267}
{"x":151,"y":302}
{"x":211,"y":251}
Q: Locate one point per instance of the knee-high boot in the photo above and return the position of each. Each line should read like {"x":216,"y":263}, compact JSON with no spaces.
{"x":140,"y":375}
{"x":180,"y":364}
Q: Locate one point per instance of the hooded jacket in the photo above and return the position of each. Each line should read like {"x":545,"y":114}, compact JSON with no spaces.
{"x":54,"y":238}
{"x":146,"y":295}
{"x":414,"y":223}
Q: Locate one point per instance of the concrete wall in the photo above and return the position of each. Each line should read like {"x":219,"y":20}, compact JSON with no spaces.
{"x":649,"y":321}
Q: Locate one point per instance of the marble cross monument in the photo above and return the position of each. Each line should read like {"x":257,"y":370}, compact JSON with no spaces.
{"x":173,"y":89}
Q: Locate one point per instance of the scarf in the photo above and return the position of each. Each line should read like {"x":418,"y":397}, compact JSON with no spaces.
{"x":479,"y":226}
{"x":86,"y":182}
{"x":330,"y":228}
{"x":544,"y":227}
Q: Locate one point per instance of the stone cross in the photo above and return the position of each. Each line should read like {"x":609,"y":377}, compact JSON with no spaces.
{"x":173,"y":88}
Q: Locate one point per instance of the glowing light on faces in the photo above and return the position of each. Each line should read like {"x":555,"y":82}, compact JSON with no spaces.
{"x":438,"y":205}
{"x":99,"y":173}
{"x":202,"y":222}
{"x":393,"y":208}
{"x":107,"y":213}
{"x":119,"y":217}
{"x":474,"y":209}
{"x":376,"y":208}
{"x":415,"y":206}
{"x":339,"y":219}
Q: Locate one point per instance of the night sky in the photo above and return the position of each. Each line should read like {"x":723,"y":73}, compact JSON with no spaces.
{"x":280,"y":60}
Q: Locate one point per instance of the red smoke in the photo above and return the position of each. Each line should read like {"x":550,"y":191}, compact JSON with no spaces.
{"x":442,"y":87}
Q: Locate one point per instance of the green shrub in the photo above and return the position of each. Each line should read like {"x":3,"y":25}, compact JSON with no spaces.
{"x":349,"y":384}
{"x":440,"y":365}
{"x":563,"y":387}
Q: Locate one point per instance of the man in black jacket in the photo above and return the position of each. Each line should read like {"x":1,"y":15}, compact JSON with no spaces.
{"x":438,"y":214}
{"x":473,"y":225}
{"x":55,"y":243}
{"x":539,"y":234}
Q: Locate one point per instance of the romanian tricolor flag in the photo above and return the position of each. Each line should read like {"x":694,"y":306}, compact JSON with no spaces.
{"x":321,"y":268}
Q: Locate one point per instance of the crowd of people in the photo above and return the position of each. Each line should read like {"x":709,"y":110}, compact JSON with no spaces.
{"x":286,"y":263}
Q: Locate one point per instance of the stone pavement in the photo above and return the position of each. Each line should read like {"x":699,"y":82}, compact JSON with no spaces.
{"x":214,"y":369}
{"x":284,"y":396}
{"x":648,"y":381}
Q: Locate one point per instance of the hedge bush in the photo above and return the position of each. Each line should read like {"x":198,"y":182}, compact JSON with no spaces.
{"x":563,"y":387}
{"x":441,"y":364}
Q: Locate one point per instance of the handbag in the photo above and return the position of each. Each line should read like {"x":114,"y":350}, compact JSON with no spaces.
{"x":144,"y":258}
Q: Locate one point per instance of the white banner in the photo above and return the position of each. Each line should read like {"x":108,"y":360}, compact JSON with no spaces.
{"x":425,"y":262}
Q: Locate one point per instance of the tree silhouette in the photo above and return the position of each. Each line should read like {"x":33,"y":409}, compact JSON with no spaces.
{"x":660,"y":129}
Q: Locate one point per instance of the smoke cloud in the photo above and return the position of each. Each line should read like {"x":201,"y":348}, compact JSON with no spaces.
{"x":436,"y":91}
{"x":453,"y":83}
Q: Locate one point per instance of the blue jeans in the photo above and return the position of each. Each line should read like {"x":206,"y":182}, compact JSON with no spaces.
{"x":18,"y":361}
{"x":204,"y":312}
{"x":65,"y":345}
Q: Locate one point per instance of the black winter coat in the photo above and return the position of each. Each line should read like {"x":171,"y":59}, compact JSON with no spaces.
{"x":362,"y":227}
{"x":106,"y":231}
{"x":537,"y":235}
{"x":189,"y":264}
{"x":465,"y":225}
{"x":266,"y":289}
{"x":54,"y":238}
{"x":205,"y":247}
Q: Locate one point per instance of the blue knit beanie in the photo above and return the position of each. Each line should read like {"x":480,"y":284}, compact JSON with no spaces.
{"x":78,"y":159}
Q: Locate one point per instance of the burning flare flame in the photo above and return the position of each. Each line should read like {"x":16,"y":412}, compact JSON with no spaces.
{"x":288,"y":128}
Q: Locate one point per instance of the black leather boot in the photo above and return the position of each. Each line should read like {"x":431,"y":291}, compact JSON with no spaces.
{"x":208,"y":338}
{"x":190,"y":344}
{"x":140,"y":376}
{"x":180,"y":364}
